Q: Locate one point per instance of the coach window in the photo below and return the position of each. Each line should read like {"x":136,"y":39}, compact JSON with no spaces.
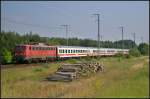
{"x":65,"y":51}
{"x":68,"y":51}
{"x":71,"y":51}
{"x":62,"y":51}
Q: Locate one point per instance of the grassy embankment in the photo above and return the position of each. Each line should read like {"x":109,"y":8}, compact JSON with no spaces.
{"x":121,"y":78}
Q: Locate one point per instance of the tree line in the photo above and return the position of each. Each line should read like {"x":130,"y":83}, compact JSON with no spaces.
{"x":8,"y":40}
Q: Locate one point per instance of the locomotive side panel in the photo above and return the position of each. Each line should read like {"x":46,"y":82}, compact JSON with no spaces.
{"x":34,"y":52}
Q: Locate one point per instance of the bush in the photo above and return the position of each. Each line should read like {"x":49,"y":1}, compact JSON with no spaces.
{"x":128,"y":56}
{"x":119,"y":55}
{"x":6,"y":56}
{"x":143,"y":48}
{"x":134,"y":52}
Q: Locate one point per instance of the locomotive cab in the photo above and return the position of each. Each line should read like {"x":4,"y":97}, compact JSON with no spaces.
{"x":20,"y":53}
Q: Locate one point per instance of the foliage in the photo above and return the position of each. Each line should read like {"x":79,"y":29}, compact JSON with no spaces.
{"x":6,"y":56}
{"x":143,"y":48}
{"x":119,"y":55}
{"x":134,"y":52}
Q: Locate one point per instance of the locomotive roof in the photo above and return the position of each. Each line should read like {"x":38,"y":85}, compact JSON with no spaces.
{"x":35,"y":45}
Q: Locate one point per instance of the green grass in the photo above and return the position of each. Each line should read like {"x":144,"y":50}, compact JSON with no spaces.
{"x":119,"y":79}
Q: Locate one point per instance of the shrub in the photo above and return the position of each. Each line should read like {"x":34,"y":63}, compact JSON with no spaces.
{"x":6,"y":56}
{"x":128,"y":56}
{"x":143,"y":48}
{"x":134,"y":52}
{"x":119,"y":55}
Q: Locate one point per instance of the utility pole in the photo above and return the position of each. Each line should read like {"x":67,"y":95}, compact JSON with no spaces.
{"x":122,"y":37}
{"x":98,"y":40}
{"x":133,"y":38}
{"x":66,"y":27}
{"x":101,"y":39}
{"x":142,"y":39}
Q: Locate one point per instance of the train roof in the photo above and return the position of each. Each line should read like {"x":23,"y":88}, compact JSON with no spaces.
{"x":61,"y":46}
{"x":89,"y":47}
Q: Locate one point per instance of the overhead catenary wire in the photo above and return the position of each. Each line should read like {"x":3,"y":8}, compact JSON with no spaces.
{"x":29,"y":24}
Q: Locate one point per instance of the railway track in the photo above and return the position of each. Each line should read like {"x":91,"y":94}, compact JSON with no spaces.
{"x":21,"y":65}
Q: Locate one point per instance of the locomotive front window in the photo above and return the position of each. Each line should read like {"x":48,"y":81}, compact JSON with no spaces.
{"x":20,"y":48}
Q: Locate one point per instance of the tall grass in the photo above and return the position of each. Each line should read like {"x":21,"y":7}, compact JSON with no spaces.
{"x":118,"y":80}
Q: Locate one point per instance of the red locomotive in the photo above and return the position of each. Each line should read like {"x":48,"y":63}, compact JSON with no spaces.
{"x":36,"y":52}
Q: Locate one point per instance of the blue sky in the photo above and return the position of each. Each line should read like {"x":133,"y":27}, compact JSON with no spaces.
{"x":45,"y":18}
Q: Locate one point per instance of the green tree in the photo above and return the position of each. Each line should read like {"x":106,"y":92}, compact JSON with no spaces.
{"x":143,"y":48}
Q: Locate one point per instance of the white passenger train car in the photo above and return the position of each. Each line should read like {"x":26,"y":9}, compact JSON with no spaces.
{"x":77,"y":51}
